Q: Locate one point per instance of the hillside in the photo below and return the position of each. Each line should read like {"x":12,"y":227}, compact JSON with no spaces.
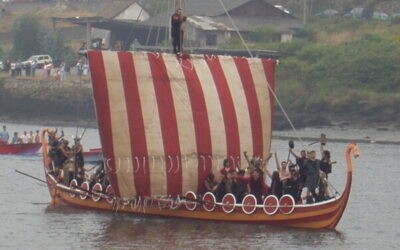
{"x":343,"y":71}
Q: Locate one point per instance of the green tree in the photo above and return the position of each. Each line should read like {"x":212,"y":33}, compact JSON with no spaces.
{"x":27,"y":32}
{"x":53,"y":43}
{"x":31,"y":38}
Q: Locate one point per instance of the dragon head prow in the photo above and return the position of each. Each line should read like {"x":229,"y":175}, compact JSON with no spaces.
{"x":354,"y":149}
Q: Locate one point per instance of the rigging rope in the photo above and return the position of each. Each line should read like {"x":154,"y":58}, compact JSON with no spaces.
{"x":269,"y":87}
{"x":236,"y":28}
{"x":286,"y":116}
{"x":157,"y":10}
{"x":132,"y":28}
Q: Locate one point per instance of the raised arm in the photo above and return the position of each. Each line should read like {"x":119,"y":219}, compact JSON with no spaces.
{"x":248,"y":160}
{"x":247,"y":157}
{"x":264,"y":164}
{"x":268,"y":173}
{"x":266,"y":160}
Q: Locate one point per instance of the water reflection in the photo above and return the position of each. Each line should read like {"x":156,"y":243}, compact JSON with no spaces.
{"x":124,"y":231}
{"x":105,"y":230}
{"x":29,"y":223}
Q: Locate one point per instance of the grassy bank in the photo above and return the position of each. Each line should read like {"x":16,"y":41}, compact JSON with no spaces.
{"x":340,"y":71}
{"x":334,"y":72}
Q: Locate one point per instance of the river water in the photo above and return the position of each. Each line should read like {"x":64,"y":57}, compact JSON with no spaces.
{"x":371,"y":220}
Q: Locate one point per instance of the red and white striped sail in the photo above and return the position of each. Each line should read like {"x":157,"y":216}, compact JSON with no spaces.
{"x":167,"y":122}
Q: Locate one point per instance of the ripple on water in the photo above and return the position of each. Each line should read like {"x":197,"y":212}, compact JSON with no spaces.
{"x":369,"y":222}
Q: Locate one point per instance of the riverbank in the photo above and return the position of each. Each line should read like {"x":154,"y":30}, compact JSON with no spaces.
{"x":69,"y":103}
{"x":47,"y":102}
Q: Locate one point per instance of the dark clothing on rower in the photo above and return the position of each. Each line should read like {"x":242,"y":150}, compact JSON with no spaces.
{"x":326,"y":167}
{"x":177,"y":32}
{"x":301,"y":162}
{"x":258,"y":188}
{"x":59,"y":157}
{"x":54,"y":144}
{"x":292,"y":188}
{"x":79,"y":162}
{"x":241,"y":190}
{"x":225,"y":187}
{"x":276,"y":185}
{"x":312,"y":174}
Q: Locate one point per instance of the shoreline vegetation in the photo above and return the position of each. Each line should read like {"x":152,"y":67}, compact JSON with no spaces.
{"x":342,"y":72}
{"x":70,"y":103}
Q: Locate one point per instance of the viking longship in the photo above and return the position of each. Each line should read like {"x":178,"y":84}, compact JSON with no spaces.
{"x":167,"y":121}
{"x":21,"y":148}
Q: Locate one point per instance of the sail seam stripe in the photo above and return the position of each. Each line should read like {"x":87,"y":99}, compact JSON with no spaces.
{"x":227,"y":106}
{"x":185,"y":123}
{"x":252,"y":104}
{"x":152,"y":125}
{"x":201,"y":123}
{"x":119,"y":121}
{"x":169,"y":127}
{"x":136,"y":125}
{"x":103,"y":114}
{"x":269,"y":69}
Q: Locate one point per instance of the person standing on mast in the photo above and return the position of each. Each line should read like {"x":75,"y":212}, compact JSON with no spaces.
{"x":176,"y":30}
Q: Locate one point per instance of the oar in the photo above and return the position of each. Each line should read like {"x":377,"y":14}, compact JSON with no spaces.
{"x":77,"y":187}
{"x":33,"y":177}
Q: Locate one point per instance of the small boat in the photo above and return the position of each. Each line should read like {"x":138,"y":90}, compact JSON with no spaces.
{"x":166,"y":121}
{"x":22,"y":148}
{"x":94,"y":155}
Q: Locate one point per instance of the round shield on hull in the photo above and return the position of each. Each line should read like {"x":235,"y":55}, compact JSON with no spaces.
{"x":286,"y":204}
{"x":271,"y":204}
{"x":190,"y":203}
{"x":110,"y":193}
{"x":228,"y":203}
{"x":84,"y":186}
{"x":96,"y":190}
{"x":249,"y":204}
{"x":209,"y":202}
{"x":72,"y":185}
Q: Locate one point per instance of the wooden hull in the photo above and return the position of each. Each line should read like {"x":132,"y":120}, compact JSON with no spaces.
{"x":26,"y":148}
{"x":321,"y":215}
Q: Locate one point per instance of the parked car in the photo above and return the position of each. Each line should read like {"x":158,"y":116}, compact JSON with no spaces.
{"x":328,"y":13}
{"x":39,"y":61}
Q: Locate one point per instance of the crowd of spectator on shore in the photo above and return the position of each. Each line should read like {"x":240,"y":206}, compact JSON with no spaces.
{"x":46,"y":71}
